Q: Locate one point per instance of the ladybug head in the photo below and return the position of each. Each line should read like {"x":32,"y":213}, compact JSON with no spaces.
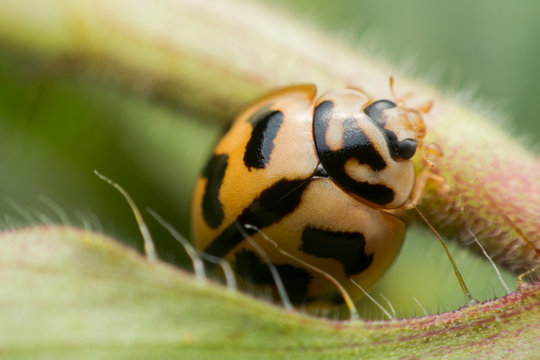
{"x":399,"y":127}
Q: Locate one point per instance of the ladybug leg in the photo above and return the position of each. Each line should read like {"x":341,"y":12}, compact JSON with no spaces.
{"x":422,"y":180}
{"x":425,"y":107}
{"x":430,"y":151}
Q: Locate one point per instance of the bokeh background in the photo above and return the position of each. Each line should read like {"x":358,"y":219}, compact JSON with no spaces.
{"x":487,"y":48}
{"x":59,"y":121}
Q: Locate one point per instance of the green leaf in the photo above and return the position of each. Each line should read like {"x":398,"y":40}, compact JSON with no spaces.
{"x":68,"y":293}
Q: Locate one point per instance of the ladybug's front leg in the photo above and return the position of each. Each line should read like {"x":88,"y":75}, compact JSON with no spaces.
{"x":422,"y":180}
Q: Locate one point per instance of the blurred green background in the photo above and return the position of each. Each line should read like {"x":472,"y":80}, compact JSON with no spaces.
{"x":488,"y":48}
{"x":59,"y":122}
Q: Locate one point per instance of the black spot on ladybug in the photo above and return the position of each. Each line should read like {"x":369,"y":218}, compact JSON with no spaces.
{"x":214,"y":173}
{"x":391,"y":142}
{"x":375,"y":111}
{"x":274,"y":203}
{"x":251,"y":268}
{"x":296,"y":280}
{"x":356,"y":146}
{"x":333,"y":297}
{"x":271,"y":206}
{"x":376,"y":193}
{"x":261,"y":143}
{"x":406,"y":148}
{"x":345,"y":247}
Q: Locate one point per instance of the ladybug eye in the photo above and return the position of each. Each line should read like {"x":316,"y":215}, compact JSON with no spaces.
{"x":406,"y":149}
{"x":374,"y":111}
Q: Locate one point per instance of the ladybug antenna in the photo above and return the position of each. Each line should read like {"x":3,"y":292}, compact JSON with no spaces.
{"x":348,"y":300}
{"x":401,"y":100}
{"x":392,"y":91}
{"x":423,"y":108}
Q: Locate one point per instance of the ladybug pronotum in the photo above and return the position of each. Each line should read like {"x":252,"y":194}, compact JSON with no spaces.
{"x":323,"y":178}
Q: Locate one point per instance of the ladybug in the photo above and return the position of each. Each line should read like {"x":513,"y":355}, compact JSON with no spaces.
{"x":323,"y":178}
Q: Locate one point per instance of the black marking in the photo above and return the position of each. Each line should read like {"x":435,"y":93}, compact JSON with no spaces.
{"x":214,"y":173}
{"x":375,"y":111}
{"x":391,"y":142}
{"x":355,"y":142}
{"x":271,"y":206}
{"x":296,"y":280}
{"x":356,"y":146}
{"x":259,"y":147}
{"x":376,"y":193}
{"x":333,"y":297}
{"x":406,"y":148}
{"x":347,"y":248}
